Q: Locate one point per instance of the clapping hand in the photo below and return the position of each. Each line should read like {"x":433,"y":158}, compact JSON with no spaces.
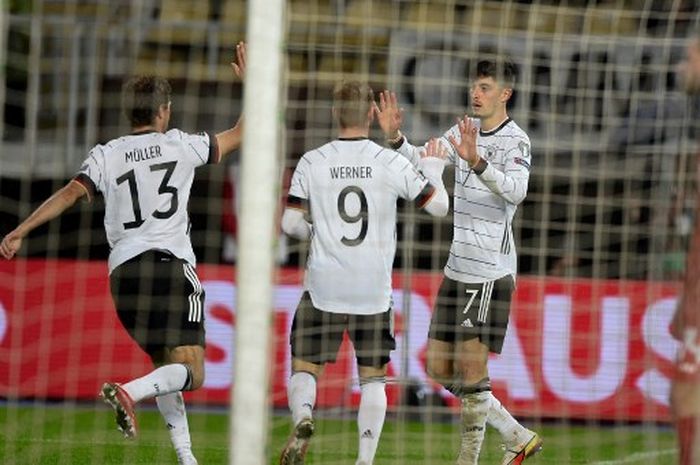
{"x":389,"y":115}
{"x":434,"y":149}
{"x":466,"y":146}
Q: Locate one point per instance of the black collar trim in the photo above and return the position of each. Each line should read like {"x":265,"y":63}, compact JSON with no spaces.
{"x":142,"y":132}
{"x":353,"y":138}
{"x":494,"y":131}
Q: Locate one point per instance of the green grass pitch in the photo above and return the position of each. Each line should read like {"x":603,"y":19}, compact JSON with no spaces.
{"x":66,"y":434}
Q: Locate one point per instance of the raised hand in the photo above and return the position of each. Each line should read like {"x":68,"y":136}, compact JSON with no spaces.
{"x":466,"y":146}
{"x":434,"y":149}
{"x":240,"y":63}
{"x":389,"y":115}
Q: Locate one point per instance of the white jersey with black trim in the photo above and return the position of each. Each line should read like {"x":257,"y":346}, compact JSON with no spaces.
{"x":351,"y":187}
{"x":145,"y":179}
{"x":483,"y":248}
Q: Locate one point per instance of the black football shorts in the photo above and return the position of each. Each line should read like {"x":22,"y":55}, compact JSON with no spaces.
{"x":159,"y":301}
{"x":316,"y":335}
{"x":465,"y":311}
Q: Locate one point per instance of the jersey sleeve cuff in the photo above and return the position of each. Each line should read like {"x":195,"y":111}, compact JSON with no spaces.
{"x":480,"y":166}
{"x":86,"y":183}
{"x":396,"y":143}
{"x":297,"y":203}
{"x":425,"y":195}
{"x":214,"y":152}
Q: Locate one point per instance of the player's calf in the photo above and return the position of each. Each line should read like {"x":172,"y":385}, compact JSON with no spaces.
{"x":475,"y":407}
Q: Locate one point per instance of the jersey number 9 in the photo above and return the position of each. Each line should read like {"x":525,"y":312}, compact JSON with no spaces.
{"x":360,"y":216}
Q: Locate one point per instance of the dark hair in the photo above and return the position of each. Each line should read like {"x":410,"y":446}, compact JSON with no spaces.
{"x":352,"y":101}
{"x":142,"y":96}
{"x":502,"y":71}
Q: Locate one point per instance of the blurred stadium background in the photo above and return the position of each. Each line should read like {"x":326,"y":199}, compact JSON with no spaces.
{"x":601,"y":235}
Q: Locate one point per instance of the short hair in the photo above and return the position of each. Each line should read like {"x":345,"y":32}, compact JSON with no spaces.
{"x":352,"y":101}
{"x":502,"y":71}
{"x":142,"y":97}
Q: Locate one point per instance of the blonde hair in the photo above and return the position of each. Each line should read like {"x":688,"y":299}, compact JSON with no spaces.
{"x":352,"y":101}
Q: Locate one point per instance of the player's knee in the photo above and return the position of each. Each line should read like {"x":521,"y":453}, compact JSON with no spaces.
{"x":440,"y":372}
{"x":472,"y":371}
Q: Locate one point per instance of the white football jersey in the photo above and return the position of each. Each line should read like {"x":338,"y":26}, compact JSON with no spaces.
{"x":145,"y":179}
{"x":351,"y":186}
{"x":483,"y":248}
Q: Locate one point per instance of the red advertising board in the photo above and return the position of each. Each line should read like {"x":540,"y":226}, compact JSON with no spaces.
{"x":575,"y":348}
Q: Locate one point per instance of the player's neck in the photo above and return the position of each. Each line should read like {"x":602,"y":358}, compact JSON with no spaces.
{"x":143,"y":129}
{"x":492,"y":122}
{"x":155,"y":127}
{"x":353,"y":133}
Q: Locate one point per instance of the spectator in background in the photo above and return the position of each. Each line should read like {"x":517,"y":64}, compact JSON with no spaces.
{"x":685,"y":387}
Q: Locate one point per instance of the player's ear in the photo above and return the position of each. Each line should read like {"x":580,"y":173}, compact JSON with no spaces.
{"x":163,"y":110}
{"x":506,"y":94}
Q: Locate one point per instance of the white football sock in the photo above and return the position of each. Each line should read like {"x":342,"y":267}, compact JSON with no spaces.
{"x":301,"y":394}
{"x":172,"y":408}
{"x":498,"y":417}
{"x":370,"y":419}
{"x":161,"y":381}
{"x":475,"y":407}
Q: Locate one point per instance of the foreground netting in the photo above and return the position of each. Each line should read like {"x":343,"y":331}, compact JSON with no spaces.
{"x":601,"y":235}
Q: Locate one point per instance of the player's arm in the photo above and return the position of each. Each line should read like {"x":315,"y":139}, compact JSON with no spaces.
{"x":296,"y":212}
{"x":54,"y":206}
{"x":294,"y":218}
{"x":229,"y":140}
{"x":510,"y":184}
{"x":433,"y":198}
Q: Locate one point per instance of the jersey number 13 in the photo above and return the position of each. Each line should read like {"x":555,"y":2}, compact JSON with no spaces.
{"x":130,"y":178}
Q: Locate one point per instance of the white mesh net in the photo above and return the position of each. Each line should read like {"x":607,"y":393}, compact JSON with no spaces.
{"x":601,"y":236}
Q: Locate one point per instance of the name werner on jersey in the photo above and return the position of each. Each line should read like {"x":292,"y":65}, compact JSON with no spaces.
{"x":145,"y":153}
{"x":351,"y":172}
